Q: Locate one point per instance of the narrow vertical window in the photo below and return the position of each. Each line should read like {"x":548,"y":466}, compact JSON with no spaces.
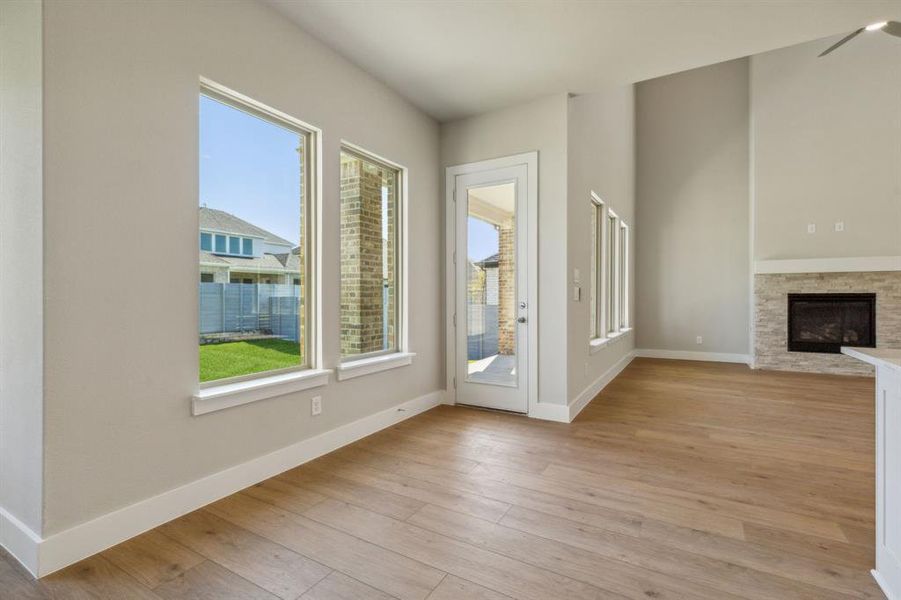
{"x":612,"y":317}
{"x":596,"y":291}
{"x":255,"y":288}
{"x":370,"y":246}
{"x":623,"y":276}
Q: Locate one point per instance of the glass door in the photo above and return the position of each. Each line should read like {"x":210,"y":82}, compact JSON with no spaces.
{"x":492,"y":311}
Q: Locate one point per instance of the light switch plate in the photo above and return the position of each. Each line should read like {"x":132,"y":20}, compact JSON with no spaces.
{"x":839,"y":225}
{"x":577,"y":294}
{"x":811,"y":228}
{"x":577,"y":276}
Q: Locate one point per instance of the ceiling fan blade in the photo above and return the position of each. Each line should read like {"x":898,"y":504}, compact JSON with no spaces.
{"x":893,"y":28}
{"x":842,"y":41}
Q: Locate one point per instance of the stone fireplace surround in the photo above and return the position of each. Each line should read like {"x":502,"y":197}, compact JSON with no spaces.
{"x":771,"y":318}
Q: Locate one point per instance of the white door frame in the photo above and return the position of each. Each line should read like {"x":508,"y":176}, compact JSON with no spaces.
{"x":530,"y":160}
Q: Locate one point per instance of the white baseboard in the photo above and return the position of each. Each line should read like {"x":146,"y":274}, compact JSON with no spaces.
{"x":70,"y":546}
{"x":588,"y":394}
{"x":548,"y":411}
{"x":19,"y":540}
{"x":692,"y":355}
{"x":883,"y":584}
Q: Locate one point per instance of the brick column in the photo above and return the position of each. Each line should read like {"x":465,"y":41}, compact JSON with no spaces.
{"x":302,"y":260}
{"x":506,"y":288}
{"x":362,"y":276}
{"x":389,"y":180}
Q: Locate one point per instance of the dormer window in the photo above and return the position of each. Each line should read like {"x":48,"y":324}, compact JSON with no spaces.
{"x":229,"y":245}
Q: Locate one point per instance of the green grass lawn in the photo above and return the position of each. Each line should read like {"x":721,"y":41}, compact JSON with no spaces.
{"x":230,"y":359}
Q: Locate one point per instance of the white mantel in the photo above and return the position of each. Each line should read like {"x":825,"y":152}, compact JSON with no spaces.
{"x":851,"y":264}
{"x":888,"y":465}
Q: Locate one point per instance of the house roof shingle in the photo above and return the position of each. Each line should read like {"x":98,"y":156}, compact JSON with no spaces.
{"x":491,"y":261}
{"x":287,"y":263}
{"x":219,"y":220}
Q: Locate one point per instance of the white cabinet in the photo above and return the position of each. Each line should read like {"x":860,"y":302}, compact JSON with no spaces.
{"x":888,"y":480}
{"x":888,"y":465}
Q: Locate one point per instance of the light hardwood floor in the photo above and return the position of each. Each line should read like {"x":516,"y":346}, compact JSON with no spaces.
{"x":680,"y":480}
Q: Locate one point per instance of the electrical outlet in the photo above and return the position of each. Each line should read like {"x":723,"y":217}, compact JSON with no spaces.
{"x":811,"y":228}
{"x":699,"y":340}
{"x":316,"y":405}
{"x":839,"y":225}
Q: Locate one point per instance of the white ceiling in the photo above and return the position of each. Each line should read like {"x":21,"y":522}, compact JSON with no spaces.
{"x":455,"y":58}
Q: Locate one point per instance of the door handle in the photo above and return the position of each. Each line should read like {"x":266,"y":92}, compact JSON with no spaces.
{"x":521,"y":320}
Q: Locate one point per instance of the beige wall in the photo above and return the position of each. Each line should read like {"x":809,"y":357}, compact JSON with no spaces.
{"x":539,"y":125}
{"x":693,"y":273}
{"x":601,"y":158}
{"x":121,"y":97}
{"x":827,"y":133}
{"x":21,"y":258}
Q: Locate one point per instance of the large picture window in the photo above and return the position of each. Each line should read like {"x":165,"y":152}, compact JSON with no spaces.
{"x":254,"y":245}
{"x":370,"y":255}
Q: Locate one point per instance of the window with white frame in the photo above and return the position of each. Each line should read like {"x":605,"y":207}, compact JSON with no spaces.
{"x":227,"y":244}
{"x":623,"y":269}
{"x":612,"y":276}
{"x":371,"y":234}
{"x":596,"y":291}
{"x":255,"y":185}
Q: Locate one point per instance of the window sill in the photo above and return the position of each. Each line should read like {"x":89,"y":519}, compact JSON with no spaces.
{"x":367,"y":366}
{"x":615,"y":334}
{"x":595,"y":345}
{"x":219,"y":397}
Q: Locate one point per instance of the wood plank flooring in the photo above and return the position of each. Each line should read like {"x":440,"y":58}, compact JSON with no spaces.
{"x":680,"y":480}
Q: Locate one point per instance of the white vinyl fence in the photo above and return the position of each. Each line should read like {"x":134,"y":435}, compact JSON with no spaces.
{"x":247,"y":308}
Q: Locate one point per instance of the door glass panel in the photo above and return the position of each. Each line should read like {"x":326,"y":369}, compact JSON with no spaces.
{"x":491,"y":310}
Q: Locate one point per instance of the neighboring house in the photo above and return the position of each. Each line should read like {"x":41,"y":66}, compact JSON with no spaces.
{"x":490,"y":266}
{"x":235,"y":251}
{"x":482,"y":310}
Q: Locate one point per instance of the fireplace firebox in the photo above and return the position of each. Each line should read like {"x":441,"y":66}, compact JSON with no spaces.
{"x":826,"y":322}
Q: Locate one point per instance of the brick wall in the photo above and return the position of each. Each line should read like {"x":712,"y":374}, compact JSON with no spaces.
{"x":302,"y":257}
{"x":389,"y":180}
{"x":771,"y":318}
{"x":367,"y":262}
{"x":506,"y":288}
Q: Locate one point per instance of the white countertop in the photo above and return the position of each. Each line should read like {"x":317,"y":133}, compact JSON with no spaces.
{"x":878,"y":357}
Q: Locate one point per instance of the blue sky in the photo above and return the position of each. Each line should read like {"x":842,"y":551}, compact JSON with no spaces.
{"x":249,"y":168}
{"x":482,"y":240}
